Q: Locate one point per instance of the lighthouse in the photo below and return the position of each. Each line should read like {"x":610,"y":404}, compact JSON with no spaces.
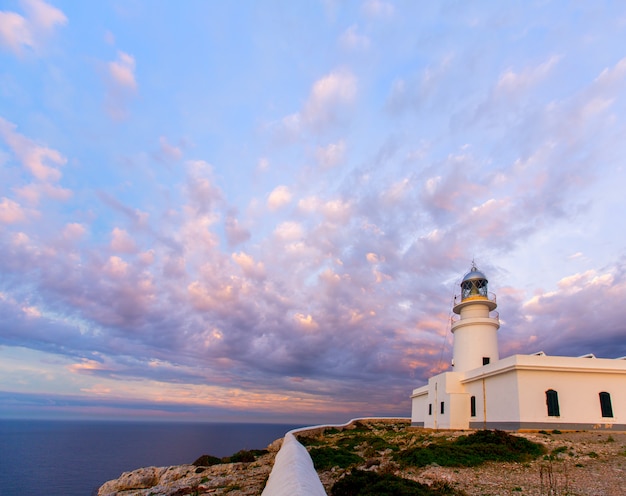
{"x":536,"y":391}
{"x":475,"y":324}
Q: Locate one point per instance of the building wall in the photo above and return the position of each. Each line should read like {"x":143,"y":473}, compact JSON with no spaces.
{"x":512,"y":394}
{"x":516,"y":392}
{"x":444,"y":388}
{"x":497,"y":398}
{"x":578,"y":396}
{"x":419,"y":406}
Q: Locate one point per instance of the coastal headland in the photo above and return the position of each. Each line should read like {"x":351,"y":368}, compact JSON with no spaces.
{"x":582,"y":463}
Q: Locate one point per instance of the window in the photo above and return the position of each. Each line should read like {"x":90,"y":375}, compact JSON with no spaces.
{"x":486,"y":360}
{"x":552,"y":400}
{"x":605,"y":404}
{"x":442,"y":407}
{"x":473,"y":406}
{"x":430,"y":408}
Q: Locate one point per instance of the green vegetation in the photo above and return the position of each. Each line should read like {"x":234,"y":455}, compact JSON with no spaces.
{"x":472,"y":450}
{"x":326,"y":458}
{"x":359,"y":483}
{"x":244,"y":456}
{"x":207,"y":461}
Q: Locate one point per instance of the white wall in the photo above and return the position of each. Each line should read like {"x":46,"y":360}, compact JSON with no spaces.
{"x":516,"y":391}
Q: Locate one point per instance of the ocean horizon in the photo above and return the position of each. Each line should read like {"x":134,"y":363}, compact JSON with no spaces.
{"x":75,"y":457}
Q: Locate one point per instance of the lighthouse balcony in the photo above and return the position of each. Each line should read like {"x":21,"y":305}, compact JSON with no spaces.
{"x":492,"y":315}
{"x":482,"y":298}
{"x":475,"y":297}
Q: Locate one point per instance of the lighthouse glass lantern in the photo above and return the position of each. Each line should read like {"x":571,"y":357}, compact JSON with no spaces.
{"x":474,"y":285}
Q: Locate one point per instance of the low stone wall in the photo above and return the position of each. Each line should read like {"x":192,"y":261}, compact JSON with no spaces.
{"x":293,"y":473}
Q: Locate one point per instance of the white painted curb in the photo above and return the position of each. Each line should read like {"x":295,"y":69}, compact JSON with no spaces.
{"x":293,"y":473}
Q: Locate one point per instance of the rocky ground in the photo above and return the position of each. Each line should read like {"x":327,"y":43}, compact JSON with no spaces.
{"x":575,"y":464}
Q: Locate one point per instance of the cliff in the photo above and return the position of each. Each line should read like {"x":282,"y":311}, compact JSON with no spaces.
{"x":579,"y":463}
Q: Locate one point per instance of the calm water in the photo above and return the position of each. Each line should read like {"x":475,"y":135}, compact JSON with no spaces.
{"x":73,"y":458}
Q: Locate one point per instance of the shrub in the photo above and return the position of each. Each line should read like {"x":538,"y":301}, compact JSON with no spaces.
{"x":310,"y":441}
{"x":244,"y":456}
{"x":472,"y":450}
{"x":207,"y":461}
{"x":326,"y":458}
{"x":360,"y":483}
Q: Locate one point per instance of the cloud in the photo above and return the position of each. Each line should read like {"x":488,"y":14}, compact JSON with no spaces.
{"x":122,"y":71}
{"x":248,"y":265}
{"x":279,"y":197}
{"x":378,"y":9}
{"x":121,"y":85}
{"x":202,"y":192}
{"x":40,"y":161}
{"x":331,"y":155}
{"x":334,"y":90}
{"x":168,"y":152}
{"x":424,"y":90}
{"x":350,"y":39}
{"x":511,"y":83}
{"x":35,"y":192}
{"x":74,"y":231}
{"x":211,"y":285}
{"x":263,"y":164}
{"x":289,"y":231}
{"x":18,"y":33}
{"x":121,"y":242}
{"x":327,"y":105}
{"x":564,"y":321}
{"x":235,"y":233}
{"x":11,"y":212}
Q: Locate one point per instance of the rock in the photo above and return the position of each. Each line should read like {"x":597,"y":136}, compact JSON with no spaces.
{"x":234,"y":479}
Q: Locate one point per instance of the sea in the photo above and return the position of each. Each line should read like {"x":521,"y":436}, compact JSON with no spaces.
{"x":74,"y":458}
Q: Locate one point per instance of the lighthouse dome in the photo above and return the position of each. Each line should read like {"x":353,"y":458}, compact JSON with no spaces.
{"x":473,"y":275}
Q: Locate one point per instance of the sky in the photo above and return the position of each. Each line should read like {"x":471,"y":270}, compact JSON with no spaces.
{"x":261,"y":211}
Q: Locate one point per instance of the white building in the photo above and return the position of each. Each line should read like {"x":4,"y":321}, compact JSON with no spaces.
{"x":518,"y":392}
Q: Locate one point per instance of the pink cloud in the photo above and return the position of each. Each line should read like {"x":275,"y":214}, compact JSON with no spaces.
{"x":121,"y":242}
{"x":168,"y":152}
{"x":121,"y":85}
{"x":279,"y":197}
{"x":40,"y":161}
{"x":18,"y":33}
{"x":330,"y":99}
{"x":11,"y":212}
{"x":235,"y":232}
{"x":74,"y":231}
{"x":34,"y":192}
{"x":351,"y":39}
{"x":331,"y":155}
{"x":122,"y":71}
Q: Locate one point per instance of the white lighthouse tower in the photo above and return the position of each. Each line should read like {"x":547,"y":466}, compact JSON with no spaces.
{"x":476,"y":329}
